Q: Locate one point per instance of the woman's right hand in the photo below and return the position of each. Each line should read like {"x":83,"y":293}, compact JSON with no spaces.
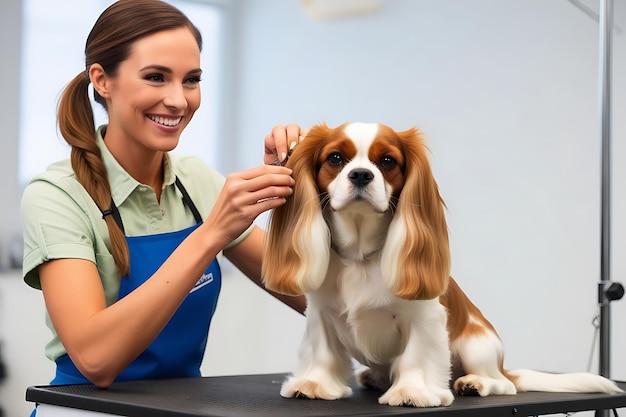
{"x":247,"y":194}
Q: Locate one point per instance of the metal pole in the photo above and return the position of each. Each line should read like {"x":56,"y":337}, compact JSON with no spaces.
{"x":605,"y":32}
{"x":606,"y":24}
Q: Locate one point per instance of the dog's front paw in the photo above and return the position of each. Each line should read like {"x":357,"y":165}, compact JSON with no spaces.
{"x":328,"y":389}
{"x":414,"y":397}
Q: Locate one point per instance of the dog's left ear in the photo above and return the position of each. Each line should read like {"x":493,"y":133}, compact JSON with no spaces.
{"x":416,"y":255}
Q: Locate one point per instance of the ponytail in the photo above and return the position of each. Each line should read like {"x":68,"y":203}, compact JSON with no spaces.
{"x":76,"y":124}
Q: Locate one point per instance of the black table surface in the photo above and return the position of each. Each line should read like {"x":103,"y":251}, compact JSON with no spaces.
{"x":258,"y":395}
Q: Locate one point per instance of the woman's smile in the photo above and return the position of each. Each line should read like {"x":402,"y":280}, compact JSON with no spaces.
{"x":168,"y":121}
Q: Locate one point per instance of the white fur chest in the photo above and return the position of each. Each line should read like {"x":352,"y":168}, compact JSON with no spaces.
{"x":355,"y":303}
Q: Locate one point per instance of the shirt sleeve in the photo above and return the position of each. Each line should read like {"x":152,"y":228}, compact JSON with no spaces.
{"x":55,"y":226}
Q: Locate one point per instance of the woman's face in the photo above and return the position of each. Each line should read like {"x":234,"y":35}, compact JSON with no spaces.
{"x":155,"y":92}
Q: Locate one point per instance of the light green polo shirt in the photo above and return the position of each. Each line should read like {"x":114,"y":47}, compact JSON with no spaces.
{"x":62,"y":221}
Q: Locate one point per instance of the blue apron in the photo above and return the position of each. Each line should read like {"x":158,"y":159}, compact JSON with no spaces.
{"x":179,"y":348}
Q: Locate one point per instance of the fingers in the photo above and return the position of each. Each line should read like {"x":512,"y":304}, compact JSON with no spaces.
{"x":246,"y":195}
{"x":269,"y":204}
{"x":293,"y":135}
{"x":266,"y":183}
{"x":280,"y":173}
{"x":280,"y":141}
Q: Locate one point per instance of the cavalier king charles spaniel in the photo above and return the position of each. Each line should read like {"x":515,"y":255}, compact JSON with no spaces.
{"x":364,"y":237}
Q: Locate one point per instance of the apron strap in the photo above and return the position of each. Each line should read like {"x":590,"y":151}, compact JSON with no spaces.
{"x":188,"y":202}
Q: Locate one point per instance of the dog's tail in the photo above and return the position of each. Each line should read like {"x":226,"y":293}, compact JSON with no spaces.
{"x":528,"y":380}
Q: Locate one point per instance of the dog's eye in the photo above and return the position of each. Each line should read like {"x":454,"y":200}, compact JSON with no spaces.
{"x":388,"y":162}
{"x":335,"y":159}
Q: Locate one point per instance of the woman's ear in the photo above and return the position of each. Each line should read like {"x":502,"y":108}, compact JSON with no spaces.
{"x":100,"y":80}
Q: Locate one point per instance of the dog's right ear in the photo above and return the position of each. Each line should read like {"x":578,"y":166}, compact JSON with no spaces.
{"x":297,"y":250}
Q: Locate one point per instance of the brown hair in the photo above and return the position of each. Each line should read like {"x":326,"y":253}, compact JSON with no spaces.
{"x":108,"y":44}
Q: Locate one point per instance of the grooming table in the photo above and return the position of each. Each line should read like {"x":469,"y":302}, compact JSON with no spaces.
{"x":258,"y":395}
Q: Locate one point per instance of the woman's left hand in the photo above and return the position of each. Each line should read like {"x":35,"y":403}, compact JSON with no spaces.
{"x":280,"y":142}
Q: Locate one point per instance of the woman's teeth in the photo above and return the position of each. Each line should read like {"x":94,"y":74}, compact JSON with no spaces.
{"x":165,"y":121}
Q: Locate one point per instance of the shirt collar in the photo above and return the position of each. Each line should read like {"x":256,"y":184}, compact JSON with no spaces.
{"x":122,"y":184}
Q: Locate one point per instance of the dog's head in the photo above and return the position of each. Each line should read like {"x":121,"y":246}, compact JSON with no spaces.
{"x":366,"y":170}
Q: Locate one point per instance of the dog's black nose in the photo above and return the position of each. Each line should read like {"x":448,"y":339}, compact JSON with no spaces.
{"x":360,"y":177}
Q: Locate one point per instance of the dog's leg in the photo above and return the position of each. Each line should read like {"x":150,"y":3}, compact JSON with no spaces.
{"x":421,"y":374}
{"x":480,"y":353}
{"x":324,"y":368}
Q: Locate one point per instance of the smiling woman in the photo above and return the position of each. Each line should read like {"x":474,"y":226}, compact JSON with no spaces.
{"x":62,"y":50}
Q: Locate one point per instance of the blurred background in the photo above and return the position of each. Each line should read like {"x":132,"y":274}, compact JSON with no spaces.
{"x":506,"y":94}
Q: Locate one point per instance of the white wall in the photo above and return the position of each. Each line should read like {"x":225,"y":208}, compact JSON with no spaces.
{"x":20,"y":351}
{"x":506,"y":93}
{"x":10,"y":36}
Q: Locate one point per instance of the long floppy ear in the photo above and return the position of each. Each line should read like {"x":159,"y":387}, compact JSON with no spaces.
{"x":416,"y":255}
{"x":297,"y":251}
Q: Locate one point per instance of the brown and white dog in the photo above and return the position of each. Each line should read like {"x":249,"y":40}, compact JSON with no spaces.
{"x":364,"y":236}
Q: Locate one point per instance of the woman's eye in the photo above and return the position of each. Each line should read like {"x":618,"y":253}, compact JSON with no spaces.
{"x":154,"y":77}
{"x":335,"y":159}
{"x":387,"y":162}
{"x":193,"y":80}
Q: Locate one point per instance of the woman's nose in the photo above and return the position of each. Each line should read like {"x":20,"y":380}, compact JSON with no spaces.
{"x":175,"y":97}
